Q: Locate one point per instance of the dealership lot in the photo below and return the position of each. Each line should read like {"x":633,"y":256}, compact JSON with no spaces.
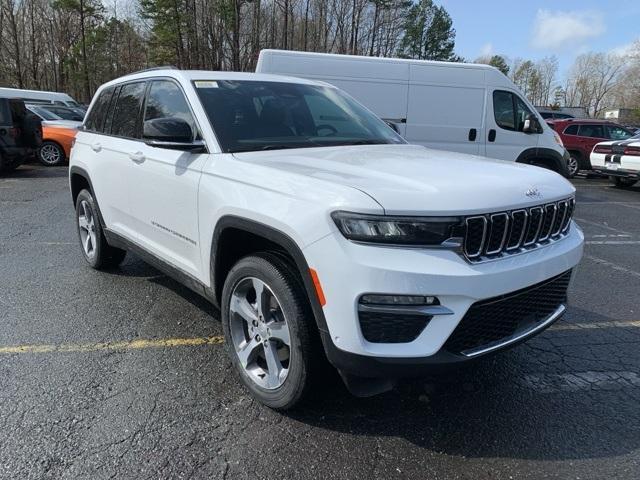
{"x":122,"y":374}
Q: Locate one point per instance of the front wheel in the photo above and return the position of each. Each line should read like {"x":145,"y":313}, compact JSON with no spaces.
{"x":95,"y":249}
{"x":51,"y":154}
{"x":622,"y":182}
{"x":268,"y":324}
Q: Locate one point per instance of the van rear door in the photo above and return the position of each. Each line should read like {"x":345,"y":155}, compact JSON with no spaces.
{"x":446,"y":108}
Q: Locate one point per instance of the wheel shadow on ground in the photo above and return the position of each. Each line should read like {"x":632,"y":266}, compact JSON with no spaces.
{"x":133,"y":266}
{"x":493,"y":408}
{"x":37,"y":171}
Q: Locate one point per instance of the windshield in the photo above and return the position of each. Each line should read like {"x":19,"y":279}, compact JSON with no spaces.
{"x":253,"y":115}
{"x":65,"y":113}
{"x":44,"y":114}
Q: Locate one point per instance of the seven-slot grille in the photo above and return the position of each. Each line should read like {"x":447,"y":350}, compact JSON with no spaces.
{"x":497,"y":234}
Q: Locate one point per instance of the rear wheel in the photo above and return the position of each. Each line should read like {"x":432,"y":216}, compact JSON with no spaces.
{"x":573,"y":165}
{"x":51,"y":154}
{"x":95,"y":249}
{"x":621,"y":182}
{"x":268,"y":326}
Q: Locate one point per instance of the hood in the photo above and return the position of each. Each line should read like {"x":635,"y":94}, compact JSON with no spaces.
{"x":62,"y":123}
{"x":414,"y":180}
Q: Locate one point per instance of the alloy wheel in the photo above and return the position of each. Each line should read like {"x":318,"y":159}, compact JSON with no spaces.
{"x":572,"y":165}
{"x":86,"y":224}
{"x":50,"y":154}
{"x":259,"y":333}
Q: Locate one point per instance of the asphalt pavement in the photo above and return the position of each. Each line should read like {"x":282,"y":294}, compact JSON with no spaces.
{"x":121,"y":374}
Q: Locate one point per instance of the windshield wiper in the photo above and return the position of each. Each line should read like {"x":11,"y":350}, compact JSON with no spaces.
{"x":273,"y":146}
{"x":362,"y":142}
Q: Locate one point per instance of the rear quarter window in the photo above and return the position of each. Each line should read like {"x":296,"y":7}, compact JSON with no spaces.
{"x":97,"y":115}
{"x":5,"y":113}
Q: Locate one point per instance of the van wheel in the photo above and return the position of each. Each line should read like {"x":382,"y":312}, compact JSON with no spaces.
{"x":95,"y":249}
{"x":268,"y":324}
{"x":51,"y":154}
{"x":623,"y":182}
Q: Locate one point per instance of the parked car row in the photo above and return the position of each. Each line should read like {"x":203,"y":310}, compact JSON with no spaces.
{"x":580,"y":136}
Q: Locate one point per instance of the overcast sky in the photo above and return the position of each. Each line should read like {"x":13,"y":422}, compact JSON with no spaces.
{"x":534,"y":29}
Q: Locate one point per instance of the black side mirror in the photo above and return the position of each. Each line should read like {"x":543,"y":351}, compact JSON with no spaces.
{"x":172,"y":133}
{"x":531,"y":125}
{"x":392,"y":125}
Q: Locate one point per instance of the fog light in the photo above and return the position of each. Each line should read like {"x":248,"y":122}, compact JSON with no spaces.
{"x":373,"y":299}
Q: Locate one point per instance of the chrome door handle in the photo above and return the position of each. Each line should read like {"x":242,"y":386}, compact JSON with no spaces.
{"x":137,"y":157}
{"x":96,"y":147}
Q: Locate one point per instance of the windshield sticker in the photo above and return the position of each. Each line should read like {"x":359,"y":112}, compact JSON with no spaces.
{"x":206,"y":84}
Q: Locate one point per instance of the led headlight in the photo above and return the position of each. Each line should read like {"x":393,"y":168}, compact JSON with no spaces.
{"x":417,"y":231}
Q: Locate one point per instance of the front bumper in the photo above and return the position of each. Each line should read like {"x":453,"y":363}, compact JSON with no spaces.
{"x":356,"y":269}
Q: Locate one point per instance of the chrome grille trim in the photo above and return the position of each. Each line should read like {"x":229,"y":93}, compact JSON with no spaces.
{"x":476,"y":253}
{"x":524,"y":229}
{"x":552,"y":224}
{"x":504,"y":233}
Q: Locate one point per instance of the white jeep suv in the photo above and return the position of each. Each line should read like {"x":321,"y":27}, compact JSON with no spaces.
{"x":317,"y":230}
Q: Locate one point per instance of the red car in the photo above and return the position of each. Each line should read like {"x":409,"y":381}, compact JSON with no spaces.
{"x":580,"y":136}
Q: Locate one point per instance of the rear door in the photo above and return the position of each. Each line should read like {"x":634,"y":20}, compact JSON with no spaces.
{"x":506,"y":113}
{"x":446,"y":108}
{"x":589,"y":135}
{"x":164,"y":196}
{"x":110,"y":149}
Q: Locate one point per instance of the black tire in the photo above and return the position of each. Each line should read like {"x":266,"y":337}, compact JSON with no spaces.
{"x":283,"y":280}
{"x":51,"y":154}
{"x":101,"y":256}
{"x":621,"y":182}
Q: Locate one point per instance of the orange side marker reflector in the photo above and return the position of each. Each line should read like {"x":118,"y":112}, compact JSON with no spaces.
{"x":316,"y":284}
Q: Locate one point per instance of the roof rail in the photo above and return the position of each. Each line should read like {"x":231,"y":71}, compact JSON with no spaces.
{"x":163,"y":67}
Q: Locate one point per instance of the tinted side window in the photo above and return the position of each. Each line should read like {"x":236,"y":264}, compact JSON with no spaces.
{"x":5,"y":113}
{"x":593,"y":131}
{"x":503,"y":109}
{"x":108,"y":120}
{"x":618,"y":133}
{"x":166,"y":100}
{"x":95,"y":118}
{"x":127,"y":110}
{"x":571,"y":130}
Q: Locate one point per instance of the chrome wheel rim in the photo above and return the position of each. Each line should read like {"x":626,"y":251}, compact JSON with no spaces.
{"x":50,"y":154}
{"x":259,"y":333}
{"x":87,"y":227}
{"x":573,"y":165}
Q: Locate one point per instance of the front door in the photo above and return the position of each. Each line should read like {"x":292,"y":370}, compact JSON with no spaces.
{"x":165,"y":186}
{"x":505,"y":116}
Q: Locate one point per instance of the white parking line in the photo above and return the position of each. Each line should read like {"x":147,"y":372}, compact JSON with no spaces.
{"x":612,"y":242}
{"x":615,"y":266}
{"x":574,"y":382}
{"x":593,"y":325}
{"x":601,"y":225}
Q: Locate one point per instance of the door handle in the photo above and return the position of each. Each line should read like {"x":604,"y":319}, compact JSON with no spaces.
{"x":472,"y":135}
{"x":96,"y":147}
{"x":492,"y":135}
{"x":137,"y":157}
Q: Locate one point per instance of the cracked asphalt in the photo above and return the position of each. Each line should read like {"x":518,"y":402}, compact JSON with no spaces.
{"x":564,"y":405}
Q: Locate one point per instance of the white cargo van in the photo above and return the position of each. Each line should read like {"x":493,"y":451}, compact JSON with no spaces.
{"x":38,"y":96}
{"x":461,"y":107}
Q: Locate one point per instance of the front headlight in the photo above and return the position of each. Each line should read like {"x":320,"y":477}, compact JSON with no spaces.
{"x":416,"y":231}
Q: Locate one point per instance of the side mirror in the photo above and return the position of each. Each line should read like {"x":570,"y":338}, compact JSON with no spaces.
{"x":171,"y":133}
{"x":531,"y":125}
{"x":392,"y":125}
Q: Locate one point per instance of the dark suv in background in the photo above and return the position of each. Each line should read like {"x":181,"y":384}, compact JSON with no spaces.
{"x":20,"y":134}
{"x":581,"y":135}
